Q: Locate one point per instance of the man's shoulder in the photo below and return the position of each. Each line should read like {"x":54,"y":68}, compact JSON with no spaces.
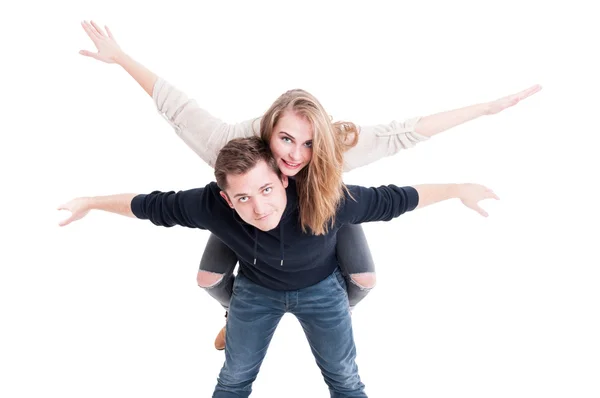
{"x":206,"y":198}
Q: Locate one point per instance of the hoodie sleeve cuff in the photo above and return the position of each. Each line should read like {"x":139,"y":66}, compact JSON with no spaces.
{"x":412,"y":197}
{"x":137,"y":206}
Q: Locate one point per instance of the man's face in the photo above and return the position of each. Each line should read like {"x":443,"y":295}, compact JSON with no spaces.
{"x":258,"y":196}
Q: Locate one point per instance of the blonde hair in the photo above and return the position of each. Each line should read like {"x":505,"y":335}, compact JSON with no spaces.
{"x":319,"y":184}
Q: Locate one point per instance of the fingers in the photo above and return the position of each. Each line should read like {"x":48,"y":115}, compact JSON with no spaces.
{"x":491,"y":194}
{"x":529,"y":92}
{"x":98,"y":29}
{"x":88,"y":54}
{"x":513,"y":101}
{"x":92,"y":32}
{"x":109,"y":32}
{"x":65,"y":206}
{"x":66,"y":221}
{"x":506,"y":102}
{"x":88,"y":30}
{"x":480,"y":210}
{"x":488,"y":194}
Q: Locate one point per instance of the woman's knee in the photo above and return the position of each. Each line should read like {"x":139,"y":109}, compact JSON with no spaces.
{"x":208,"y":279}
{"x":364,"y":280}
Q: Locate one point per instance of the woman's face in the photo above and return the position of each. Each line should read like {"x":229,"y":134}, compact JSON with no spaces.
{"x":291,"y":143}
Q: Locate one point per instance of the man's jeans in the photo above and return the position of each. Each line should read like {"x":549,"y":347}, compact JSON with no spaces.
{"x":323,"y":312}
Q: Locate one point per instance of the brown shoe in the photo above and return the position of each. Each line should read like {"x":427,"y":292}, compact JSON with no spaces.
{"x":220,"y":340}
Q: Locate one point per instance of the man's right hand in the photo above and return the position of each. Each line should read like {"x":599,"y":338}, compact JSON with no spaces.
{"x":78,"y":207}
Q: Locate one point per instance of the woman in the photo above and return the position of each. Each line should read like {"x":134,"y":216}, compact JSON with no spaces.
{"x":306,"y":145}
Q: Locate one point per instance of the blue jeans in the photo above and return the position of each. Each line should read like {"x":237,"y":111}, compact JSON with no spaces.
{"x":323,"y":312}
{"x":352,"y":250}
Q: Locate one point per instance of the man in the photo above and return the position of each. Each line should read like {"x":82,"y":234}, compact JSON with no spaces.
{"x":281,"y":269}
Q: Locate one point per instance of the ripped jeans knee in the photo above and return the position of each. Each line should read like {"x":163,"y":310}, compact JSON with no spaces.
{"x":364,"y":280}
{"x":208,"y":280}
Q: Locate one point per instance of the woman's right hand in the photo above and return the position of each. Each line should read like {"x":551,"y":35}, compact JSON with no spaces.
{"x":108,"y":49}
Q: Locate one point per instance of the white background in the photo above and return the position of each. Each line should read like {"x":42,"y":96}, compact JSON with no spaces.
{"x":465,"y":306}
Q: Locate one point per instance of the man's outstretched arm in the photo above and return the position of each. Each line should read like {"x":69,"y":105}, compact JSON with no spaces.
{"x":469,"y":194}
{"x":194,"y":208}
{"x":387,"y":202}
{"x":80,"y":207}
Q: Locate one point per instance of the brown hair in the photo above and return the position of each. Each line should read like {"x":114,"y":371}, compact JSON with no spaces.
{"x":240,"y":155}
{"x":319,"y":184}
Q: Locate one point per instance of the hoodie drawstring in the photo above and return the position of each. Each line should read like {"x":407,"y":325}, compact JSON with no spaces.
{"x":255,"y":243}
{"x":280,"y":243}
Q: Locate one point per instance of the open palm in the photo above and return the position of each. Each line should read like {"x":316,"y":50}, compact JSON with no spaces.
{"x":471,"y":194}
{"x":108,"y":49}
{"x":78,"y":208}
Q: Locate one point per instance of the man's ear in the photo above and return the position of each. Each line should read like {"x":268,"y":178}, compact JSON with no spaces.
{"x":224,"y":196}
{"x":284,"y":180}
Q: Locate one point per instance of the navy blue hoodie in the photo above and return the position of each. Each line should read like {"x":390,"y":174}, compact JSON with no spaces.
{"x":283,"y":258}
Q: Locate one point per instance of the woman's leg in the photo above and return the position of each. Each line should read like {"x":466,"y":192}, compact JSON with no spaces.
{"x":216,"y":276}
{"x":356,"y":262}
